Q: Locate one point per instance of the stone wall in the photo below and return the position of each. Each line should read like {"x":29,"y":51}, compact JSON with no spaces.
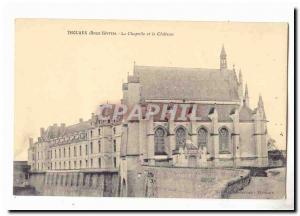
{"x":76,"y":183}
{"x":37,"y":180}
{"x":235,"y":185}
{"x":190,"y":182}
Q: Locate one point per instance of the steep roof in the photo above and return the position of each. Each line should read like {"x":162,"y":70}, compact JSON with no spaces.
{"x":187,"y":83}
{"x":59,"y":131}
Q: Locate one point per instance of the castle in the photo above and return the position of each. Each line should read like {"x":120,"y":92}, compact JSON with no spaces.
{"x":228,"y":133}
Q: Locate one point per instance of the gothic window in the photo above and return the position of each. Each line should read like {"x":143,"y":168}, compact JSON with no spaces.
{"x":159,"y":140}
{"x":224,"y":140}
{"x":202,"y":138}
{"x":180,"y":137}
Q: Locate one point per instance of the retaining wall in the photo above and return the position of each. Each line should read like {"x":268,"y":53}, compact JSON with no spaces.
{"x":76,"y":183}
{"x":190,"y":182}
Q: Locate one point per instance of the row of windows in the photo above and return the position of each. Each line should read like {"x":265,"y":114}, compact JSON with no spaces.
{"x":75,"y":165}
{"x":64,"y":153}
{"x":81,"y":164}
{"x":181,"y":135}
{"x":67,"y":153}
{"x":99,"y":132}
{"x":39,"y":166}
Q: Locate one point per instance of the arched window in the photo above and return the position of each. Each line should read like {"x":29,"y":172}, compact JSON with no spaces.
{"x":180,"y":137}
{"x":202,"y":138}
{"x":159,"y":140}
{"x":224,"y":140}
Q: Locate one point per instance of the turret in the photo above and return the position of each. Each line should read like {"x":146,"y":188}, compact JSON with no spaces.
{"x":246,"y":97}
{"x":223,"y":60}
{"x":261,"y":108}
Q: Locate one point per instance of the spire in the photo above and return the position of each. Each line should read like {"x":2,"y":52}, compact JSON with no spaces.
{"x":260,"y":101}
{"x":223,"y":61}
{"x":223,"y":52}
{"x":246,"y":97}
{"x":261,"y":107}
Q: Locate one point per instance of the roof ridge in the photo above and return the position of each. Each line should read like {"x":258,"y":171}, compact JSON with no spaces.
{"x":178,"y":67}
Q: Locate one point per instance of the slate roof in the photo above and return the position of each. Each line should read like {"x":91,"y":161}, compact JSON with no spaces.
{"x":58,"y":131}
{"x":187,"y":83}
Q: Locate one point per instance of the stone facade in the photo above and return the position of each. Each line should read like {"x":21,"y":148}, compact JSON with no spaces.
{"x":228,"y":133}
{"x":91,"y":144}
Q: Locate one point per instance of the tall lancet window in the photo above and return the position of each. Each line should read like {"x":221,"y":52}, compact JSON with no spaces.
{"x":224,"y":140}
{"x":180,"y":137}
{"x":159,"y":141}
{"x":202,"y":138}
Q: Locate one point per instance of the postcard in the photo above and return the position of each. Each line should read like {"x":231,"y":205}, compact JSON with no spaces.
{"x":152,"y":109}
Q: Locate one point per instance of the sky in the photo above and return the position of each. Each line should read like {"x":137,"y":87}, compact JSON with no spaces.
{"x":61,"y":77}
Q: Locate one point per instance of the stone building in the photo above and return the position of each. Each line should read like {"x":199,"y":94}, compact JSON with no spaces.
{"x":92,"y":144}
{"x":228,"y":132}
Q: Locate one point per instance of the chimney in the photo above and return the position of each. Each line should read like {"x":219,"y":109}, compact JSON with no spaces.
{"x":42,"y":131}
{"x":55,"y":125}
{"x":80,"y":120}
{"x":30,"y":141}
